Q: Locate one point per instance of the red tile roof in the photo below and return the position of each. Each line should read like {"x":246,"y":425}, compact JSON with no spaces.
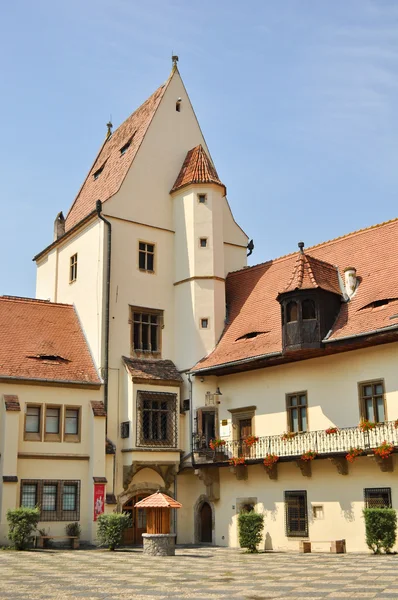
{"x":252,"y":292}
{"x":158,"y":500}
{"x":311,"y":273}
{"x":12,"y":403}
{"x":197,"y":168}
{"x":42,"y":340}
{"x":115,"y":164}
{"x":98,"y":408}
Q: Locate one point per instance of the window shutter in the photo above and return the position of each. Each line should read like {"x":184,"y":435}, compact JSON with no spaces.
{"x":199,"y":421}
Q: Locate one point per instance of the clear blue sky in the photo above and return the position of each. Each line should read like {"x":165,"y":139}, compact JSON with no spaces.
{"x":297,"y":100}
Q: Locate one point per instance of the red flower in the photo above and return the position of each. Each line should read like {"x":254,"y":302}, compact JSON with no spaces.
{"x":235,"y":461}
{"x":250,"y":440}
{"x":384,"y":450}
{"x":366,"y":425}
{"x":331,"y":430}
{"x":270,"y":460}
{"x":309,"y":455}
{"x":217,"y":443}
{"x":353,"y":454}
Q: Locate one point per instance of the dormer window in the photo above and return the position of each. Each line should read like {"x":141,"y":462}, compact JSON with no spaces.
{"x":308,"y":310}
{"x":98,"y":172}
{"x":291,"y":312}
{"x":124,"y":148}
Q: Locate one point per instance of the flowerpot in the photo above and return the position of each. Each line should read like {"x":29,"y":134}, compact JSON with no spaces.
{"x":272,"y":472}
{"x":386,"y":464}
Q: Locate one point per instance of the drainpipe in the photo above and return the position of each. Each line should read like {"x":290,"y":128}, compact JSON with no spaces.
{"x":191,"y":421}
{"x":98,"y":206}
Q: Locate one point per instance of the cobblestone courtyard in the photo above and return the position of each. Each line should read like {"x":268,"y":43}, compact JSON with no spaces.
{"x":195,"y":573}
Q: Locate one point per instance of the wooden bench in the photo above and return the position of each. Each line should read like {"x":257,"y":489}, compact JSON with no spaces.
{"x":74,"y":540}
{"x":336,"y":546}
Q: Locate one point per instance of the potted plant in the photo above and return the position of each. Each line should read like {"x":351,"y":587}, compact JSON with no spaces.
{"x":288,"y":435}
{"x":217,"y":443}
{"x":366,"y":425}
{"x":309,"y":455}
{"x":238,"y":466}
{"x":384,"y":450}
{"x":270,"y":461}
{"x":331,"y":430}
{"x":237,"y":460}
{"x":250,"y":440}
{"x":73,"y":530}
{"x":353,"y":454}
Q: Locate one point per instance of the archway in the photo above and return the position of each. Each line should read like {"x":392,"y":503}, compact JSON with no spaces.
{"x":206,"y":529}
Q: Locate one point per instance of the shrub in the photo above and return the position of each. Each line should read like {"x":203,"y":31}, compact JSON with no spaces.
{"x":21,"y":524}
{"x":251,"y":525}
{"x":110,"y":529}
{"x":73,"y":529}
{"x":381,"y":528}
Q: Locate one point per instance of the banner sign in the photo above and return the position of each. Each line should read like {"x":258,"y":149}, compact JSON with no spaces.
{"x":99,"y":499}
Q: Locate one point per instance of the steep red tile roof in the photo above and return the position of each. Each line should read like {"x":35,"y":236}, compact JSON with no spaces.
{"x":43,"y":340}
{"x":160,"y":370}
{"x":252,"y":292}
{"x":310,"y":273}
{"x":98,"y":408}
{"x":158,"y":500}
{"x":197,"y":168}
{"x":115,"y":164}
{"x":12,"y":403}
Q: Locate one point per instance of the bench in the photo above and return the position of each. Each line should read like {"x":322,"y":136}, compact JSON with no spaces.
{"x":336,"y":546}
{"x":74,"y":540}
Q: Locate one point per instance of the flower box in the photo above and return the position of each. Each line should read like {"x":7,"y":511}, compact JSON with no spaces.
{"x":309,"y":455}
{"x":331,"y":430}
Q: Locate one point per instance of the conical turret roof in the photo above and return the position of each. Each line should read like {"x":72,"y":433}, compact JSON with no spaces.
{"x":197,"y":168}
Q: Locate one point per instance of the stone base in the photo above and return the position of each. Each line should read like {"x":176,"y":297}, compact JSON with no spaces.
{"x":159,"y":544}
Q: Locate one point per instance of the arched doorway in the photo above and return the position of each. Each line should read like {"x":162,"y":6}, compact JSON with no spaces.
{"x":205,"y":521}
{"x":133,"y":535}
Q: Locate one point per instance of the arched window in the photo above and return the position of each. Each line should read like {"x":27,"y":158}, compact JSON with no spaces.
{"x":291,"y":312}
{"x":308,"y":309}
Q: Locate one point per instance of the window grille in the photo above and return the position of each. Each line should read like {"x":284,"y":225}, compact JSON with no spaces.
{"x":296,"y":516}
{"x":157,"y":419}
{"x":58,"y":500}
{"x":377,"y":497}
{"x":146,"y":331}
{"x":125,"y":429}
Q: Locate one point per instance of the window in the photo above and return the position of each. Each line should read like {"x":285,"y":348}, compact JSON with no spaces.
{"x":58,"y":500}
{"x":52,"y":420}
{"x":291,"y":312}
{"x":73,"y":268}
{"x":29,"y":495}
{"x":317,"y":512}
{"x":372,"y":401}
{"x":32,"y":421}
{"x":98,"y":172}
{"x":146,"y":331}
{"x":308,"y":310}
{"x":297,"y":411}
{"x":204,"y":323}
{"x":296,"y":518}
{"x":146,"y":257}
{"x":202,"y":198}
{"x":203,"y":242}
{"x":124,"y":148}
{"x":157,"y":419}
{"x":72,"y":425}
{"x":377,"y":497}
{"x":178,"y":105}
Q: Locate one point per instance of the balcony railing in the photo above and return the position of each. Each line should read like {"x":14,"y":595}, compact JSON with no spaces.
{"x":318,"y":441}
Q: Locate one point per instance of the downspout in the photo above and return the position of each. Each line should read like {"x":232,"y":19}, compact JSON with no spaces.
{"x":98,"y":206}
{"x":191,"y":421}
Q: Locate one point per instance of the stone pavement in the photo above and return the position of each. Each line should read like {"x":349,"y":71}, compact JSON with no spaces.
{"x":194,"y":573}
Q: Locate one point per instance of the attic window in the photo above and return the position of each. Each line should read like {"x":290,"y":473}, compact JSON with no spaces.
{"x":124,"y":148}
{"x":98,"y":172}
{"x":250,"y":335}
{"x":377,"y":303}
{"x":178,"y":105}
{"x":54,"y":358}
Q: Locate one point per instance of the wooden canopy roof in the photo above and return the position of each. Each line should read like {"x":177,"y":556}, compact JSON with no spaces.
{"x":158,"y":500}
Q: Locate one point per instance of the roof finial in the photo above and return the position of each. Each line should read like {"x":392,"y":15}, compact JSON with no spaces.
{"x":174,"y":59}
{"x":109,"y":126}
{"x":301,"y":246}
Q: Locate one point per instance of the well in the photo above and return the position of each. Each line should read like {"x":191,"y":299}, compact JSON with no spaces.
{"x":158,"y":541}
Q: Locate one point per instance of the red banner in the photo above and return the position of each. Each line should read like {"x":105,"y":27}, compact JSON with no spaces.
{"x":99,"y":499}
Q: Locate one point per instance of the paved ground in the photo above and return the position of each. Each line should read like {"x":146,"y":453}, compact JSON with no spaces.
{"x":195,"y":573}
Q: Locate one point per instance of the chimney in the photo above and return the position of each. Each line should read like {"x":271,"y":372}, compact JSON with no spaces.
{"x":350,"y":281}
{"x":59,"y":226}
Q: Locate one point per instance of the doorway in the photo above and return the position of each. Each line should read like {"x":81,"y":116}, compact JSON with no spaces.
{"x":133,"y":535}
{"x":205,"y":520}
{"x":245,"y":429}
{"x":209,"y":426}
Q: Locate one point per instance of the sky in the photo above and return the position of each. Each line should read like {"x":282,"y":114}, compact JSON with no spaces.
{"x":297,"y":101}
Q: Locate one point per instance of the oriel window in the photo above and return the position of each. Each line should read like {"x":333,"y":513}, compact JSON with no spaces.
{"x":297,"y":411}
{"x":157,"y":419}
{"x":372,"y":401}
{"x":73,"y":268}
{"x":146,"y":257}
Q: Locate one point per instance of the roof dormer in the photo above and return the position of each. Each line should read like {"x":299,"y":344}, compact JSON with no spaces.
{"x":309,"y":303}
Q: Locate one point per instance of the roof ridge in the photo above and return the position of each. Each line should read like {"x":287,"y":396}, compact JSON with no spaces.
{"x":316,"y":246}
{"x":21,"y":299}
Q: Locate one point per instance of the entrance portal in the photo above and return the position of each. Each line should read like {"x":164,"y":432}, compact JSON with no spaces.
{"x":205,"y":517}
{"x":133,"y":535}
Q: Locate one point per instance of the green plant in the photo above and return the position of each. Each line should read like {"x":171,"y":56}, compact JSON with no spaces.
{"x":111,"y":527}
{"x":366,"y":425}
{"x":250,"y":440}
{"x":381,"y":528}
{"x":217,"y":443}
{"x":251,"y":525}
{"x":73,"y":529}
{"x":288,"y":435}
{"x":21,"y":524}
